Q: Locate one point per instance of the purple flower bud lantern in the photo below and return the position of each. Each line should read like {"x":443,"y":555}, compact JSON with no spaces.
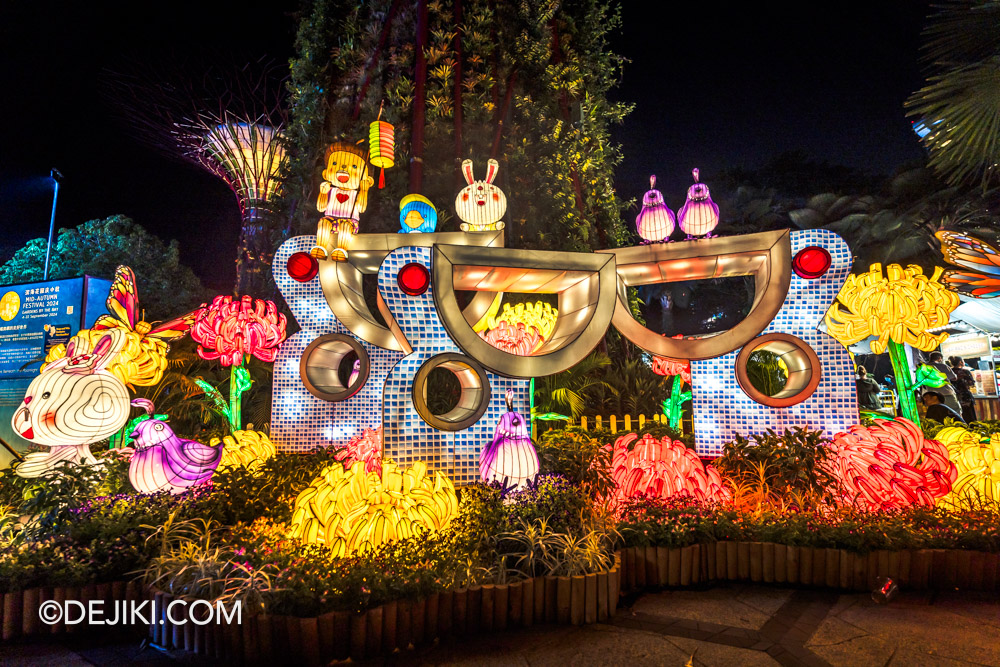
{"x":700,"y":215}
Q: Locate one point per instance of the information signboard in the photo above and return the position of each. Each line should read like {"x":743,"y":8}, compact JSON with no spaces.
{"x":34,"y":317}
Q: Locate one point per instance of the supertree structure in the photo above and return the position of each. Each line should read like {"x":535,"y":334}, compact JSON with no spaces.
{"x":228,"y":122}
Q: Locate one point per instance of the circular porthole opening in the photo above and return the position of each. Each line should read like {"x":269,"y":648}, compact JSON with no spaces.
{"x":334,"y":367}
{"x":451,"y":404}
{"x":778,"y":370}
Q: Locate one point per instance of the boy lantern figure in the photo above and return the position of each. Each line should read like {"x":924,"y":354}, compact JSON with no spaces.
{"x":480,"y":204}
{"x":343,"y":197}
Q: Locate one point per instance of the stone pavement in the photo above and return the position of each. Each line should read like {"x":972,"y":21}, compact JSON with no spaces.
{"x":718,"y":626}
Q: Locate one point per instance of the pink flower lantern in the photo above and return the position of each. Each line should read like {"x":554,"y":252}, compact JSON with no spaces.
{"x":890,"y":465}
{"x":231,"y":331}
{"x":700,"y":215}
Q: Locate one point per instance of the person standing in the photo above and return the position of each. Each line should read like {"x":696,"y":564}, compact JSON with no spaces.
{"x":868,"y":390}
{"x":948,"y":393}
{"x":964,"y":382}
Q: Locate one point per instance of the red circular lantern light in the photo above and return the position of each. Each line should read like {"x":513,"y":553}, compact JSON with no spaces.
{"x":302,"y":267}
{"x":812,"y":262}
{"x":414,"y":279}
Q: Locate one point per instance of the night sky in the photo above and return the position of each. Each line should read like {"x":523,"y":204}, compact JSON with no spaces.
{"x":716,"y":85}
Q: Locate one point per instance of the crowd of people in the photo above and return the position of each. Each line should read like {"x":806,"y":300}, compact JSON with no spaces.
{"x":952,"y":400}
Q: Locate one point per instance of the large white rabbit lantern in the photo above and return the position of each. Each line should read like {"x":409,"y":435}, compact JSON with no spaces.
{"x":480,"y":204}
{"x":73,"y":403}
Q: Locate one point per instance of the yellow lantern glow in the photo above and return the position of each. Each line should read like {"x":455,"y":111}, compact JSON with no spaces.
{"x":978,"y":464}
{"x":353,"y":510}
{"x":539,"y":315}
{"x":900,"y":305}
{"x":246,"y":449}
{"x":381,"y":147}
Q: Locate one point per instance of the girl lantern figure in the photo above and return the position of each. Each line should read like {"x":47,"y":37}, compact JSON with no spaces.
{"x":700,"y":215}
{"x":480,"y":204}
{"x":655,"y":222}
{"x":343,"y":197}
{"x":417,"y":215}
{"x":510,"y":458}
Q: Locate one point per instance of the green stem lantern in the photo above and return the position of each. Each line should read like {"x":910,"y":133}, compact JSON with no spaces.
{"x":232,"y":332}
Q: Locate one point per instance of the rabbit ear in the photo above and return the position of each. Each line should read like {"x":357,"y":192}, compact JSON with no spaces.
{"x":492,"y":167}
{"x":467,"y":170}
{"x":105,"y":350}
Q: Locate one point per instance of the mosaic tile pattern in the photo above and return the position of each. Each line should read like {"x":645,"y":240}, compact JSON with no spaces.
{"x":406,"y":437}
{"x":301,"y":421}
{"x":722,"y":409}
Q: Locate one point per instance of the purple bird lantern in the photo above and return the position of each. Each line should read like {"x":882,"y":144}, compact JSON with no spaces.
{"x":510,"y":458}
{"x":700,"y":215}
{"x":164,"y":462}
{"x":655,"y":222}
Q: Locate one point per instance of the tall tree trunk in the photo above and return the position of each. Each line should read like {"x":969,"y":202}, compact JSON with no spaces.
{"x":564,"y":111}
{"x":419,"y":102}
{"x":458,"y":86}
{"x":382,"y":38}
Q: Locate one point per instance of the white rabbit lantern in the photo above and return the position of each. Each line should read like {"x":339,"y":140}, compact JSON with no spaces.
{"x":74,"y":402}
{"x":480,"y":204}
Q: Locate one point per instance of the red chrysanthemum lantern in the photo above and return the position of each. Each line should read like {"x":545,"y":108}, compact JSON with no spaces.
{"x":513,"y":338}
{"x":662,"y":468}
{"x":367,"y":448}
{"x":232,"y":331}
{"x":890,"y":465}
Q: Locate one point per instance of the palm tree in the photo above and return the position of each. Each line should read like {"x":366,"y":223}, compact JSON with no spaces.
{"x":572,"y":388}
{"x":960,"y":103}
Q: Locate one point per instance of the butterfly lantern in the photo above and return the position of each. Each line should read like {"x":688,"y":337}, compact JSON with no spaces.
{"x":510,"y":457}
{"x":142,"y":358}
{"x":980,"y":261}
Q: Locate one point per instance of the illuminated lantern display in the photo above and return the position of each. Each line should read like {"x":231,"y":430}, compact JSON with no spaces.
{"x":232,"y":332}
{"x":540,"y":316}
{"x":343,"y":197}
{"x":367,"y":448}
{"x":480,"y":204}
{"x":898,"y":308}
{"x":513,"y":338}
{"x":663,"y":469}
{"x":381,"y":147}
{"x":978,"y":464}
{"x":142,"y":358}
{"x":510,"y":458}
{"x":890,"y":465}
{"x":352,"y":510}
{"x":655,"y":222}
{"x":979,"y":261}
{"x":164,"y":462}
{"x":302,"y":267}
{"x":699,"y":215}
{"x":74,"y":402}
{"x":417,"y":214}
{"x":246,"y":449}
{"x":680,"y":369}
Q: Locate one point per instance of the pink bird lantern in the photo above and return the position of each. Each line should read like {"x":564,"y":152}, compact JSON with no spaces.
{"x":700,"y":215}
{"x":655,"y":222}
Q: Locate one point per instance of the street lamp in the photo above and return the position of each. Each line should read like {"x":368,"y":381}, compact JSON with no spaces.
{"x":57,"y":178}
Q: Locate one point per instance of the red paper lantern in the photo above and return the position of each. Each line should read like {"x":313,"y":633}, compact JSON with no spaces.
{"x":302,"y":267}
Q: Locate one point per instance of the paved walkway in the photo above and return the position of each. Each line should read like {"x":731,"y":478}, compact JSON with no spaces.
{"x":724,"y":625}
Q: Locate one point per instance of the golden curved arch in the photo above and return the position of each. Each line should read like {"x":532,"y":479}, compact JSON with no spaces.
{"x":766,"y":256}
{"x":342,"y":282}
{"x":585,"y":285}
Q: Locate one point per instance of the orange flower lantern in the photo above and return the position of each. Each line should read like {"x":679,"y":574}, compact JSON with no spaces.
{"x":890,"y":465}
